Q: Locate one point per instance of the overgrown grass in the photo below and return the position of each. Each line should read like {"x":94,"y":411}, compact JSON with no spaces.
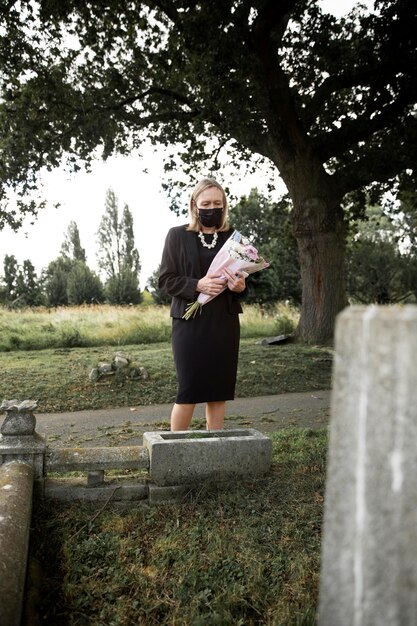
{"x":242,"y":556}
{"x":58,"y":379}
{"x":87,"y":326}
{"x":83,"y":326}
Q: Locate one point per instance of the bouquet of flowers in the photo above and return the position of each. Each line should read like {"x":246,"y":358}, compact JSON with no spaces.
{"x":237,"y":255}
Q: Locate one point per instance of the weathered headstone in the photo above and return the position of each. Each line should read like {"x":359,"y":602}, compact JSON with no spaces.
{"x":369,"y":555}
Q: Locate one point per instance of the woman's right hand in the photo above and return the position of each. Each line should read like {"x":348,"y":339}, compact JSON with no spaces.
{"x":211,"y":284}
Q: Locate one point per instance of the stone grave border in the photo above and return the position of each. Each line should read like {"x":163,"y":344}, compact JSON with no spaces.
{"x":171,"y":466}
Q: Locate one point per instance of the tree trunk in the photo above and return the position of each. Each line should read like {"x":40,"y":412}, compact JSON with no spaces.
{"x":319,"y":228}
{"x":320,"y":233}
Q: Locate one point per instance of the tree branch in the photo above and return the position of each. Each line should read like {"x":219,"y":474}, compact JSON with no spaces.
{"x":148,"y":92}
{"x":271,"y":14}
{"x":167,"y":7}
{"x":331,"y":85}
{"x":165,"y":117}
{"x":282,"y":121}
{"x":402,"y":155}
{"x":335,"y":142}
{"x":120,"y":104}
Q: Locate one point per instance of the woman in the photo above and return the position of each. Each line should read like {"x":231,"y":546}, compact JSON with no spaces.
{"x":205,"y":347}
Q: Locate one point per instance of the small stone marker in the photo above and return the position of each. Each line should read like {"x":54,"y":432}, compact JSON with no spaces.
{"x":369,"y":554}
{"x":19,"y":420}
{"x":121,"y":364}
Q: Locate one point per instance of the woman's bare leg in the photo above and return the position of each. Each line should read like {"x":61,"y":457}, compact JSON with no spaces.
{"x":215,"y":415}
{"x":181,"y":416}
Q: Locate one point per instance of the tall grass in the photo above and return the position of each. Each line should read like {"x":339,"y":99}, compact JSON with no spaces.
{"x":82,"y":326}
{"x":102,"y":325}
{"x":276,"y":319}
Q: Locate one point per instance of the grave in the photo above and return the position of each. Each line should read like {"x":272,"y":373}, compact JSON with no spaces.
{"x":369,"y":553}
{"x":189,"y":456}
{"x":173,"y":463}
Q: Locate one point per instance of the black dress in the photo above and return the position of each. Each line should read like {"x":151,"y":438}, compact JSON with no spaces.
{"x":206,"y":347}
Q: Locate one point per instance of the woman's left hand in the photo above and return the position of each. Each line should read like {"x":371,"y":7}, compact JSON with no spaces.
{"x":235,"y":282}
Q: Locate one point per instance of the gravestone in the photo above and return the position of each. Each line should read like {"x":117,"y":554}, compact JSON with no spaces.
{"x":369,"y":553}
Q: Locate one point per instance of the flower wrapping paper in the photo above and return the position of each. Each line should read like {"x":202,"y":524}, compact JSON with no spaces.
{"x":237,"y":255}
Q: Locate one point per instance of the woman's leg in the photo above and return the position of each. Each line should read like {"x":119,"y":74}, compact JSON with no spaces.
{"x":181,"y":416}
{"x":215,"y":415}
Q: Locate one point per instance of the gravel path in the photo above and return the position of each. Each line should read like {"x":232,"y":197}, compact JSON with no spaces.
{"x":126,"y":425}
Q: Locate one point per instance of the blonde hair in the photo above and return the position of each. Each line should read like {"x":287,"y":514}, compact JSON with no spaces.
{"x":201,"y":186}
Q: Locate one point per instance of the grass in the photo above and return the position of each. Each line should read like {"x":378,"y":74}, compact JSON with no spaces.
{"x":47,"y":355}
{"x":58,"y":379}
{"x":248,"y":555}
{"x":105,"y":325}
{"x":82,"y":326}
{"x":242,"y":556}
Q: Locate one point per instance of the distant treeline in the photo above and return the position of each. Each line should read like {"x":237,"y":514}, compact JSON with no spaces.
{"x":381,"y":261}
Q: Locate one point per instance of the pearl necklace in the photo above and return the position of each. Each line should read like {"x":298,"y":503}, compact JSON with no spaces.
{"x":204,"y":242}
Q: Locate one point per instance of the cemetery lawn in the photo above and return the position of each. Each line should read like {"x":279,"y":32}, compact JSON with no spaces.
{"x":58,"y":378}
{"x":246,"y":555}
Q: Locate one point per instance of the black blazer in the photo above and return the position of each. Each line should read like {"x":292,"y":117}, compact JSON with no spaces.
{"x":180,"y":270}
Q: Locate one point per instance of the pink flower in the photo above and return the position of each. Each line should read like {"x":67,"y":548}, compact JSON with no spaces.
{"x":252,"y":252}
{"x":237,"y":257}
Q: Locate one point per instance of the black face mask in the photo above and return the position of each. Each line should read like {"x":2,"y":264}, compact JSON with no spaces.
{"x":210,"y":217}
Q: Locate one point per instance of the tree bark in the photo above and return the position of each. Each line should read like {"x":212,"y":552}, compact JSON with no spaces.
{"x":320,"y":230}
{"x":323,"y":292}
{"x":320,"y":233}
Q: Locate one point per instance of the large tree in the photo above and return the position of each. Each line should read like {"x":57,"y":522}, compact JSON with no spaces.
{"x":68,"y":279}
{"x":83,"y":285}
{"x":381,"y":259}
{"x":268,"y":224}
{"x":21,"y":284}
{"x":117,"y":256}
{"x":71,"y":246}
{"x":10,"y":267}
{"x":55,"y":281}
{"x":330,"y":103}
{"x":28,"y":285}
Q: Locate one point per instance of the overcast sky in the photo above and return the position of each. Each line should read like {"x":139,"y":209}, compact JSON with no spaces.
{"x":82,"y":200}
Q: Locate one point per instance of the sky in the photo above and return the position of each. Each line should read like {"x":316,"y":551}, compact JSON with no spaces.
{"x":82,"y":200}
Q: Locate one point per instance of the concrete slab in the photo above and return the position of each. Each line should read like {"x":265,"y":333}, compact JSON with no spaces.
{"x":71,"y":490}
{"x":168,"y":494}
{"x":189,"y":456}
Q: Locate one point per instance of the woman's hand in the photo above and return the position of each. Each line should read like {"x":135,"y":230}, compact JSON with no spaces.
{"x":235,"y":282}
{"x":211,"y":284}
